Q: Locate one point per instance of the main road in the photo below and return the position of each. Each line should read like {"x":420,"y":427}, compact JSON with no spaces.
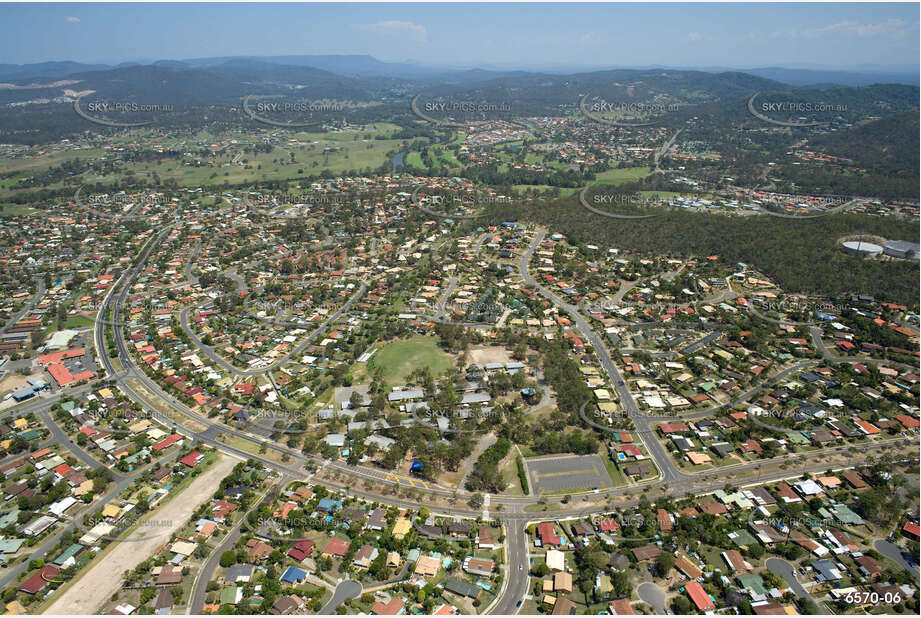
{"x":669,"y":472}
{"x":512,"y":515}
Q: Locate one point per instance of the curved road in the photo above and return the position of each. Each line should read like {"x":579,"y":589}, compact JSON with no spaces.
{"x":513,"y":515}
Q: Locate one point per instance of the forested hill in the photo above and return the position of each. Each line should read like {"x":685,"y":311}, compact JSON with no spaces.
{"x":889,"y":144}
{"x":801,"y":256}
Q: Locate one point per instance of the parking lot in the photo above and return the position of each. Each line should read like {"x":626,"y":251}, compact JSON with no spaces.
{"x":567,"y":473}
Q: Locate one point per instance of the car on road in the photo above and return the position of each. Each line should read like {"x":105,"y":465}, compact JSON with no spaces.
{"x":518,"y":604}
{"x":520,"y":567}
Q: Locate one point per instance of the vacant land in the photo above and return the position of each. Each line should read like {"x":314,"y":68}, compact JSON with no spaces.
{"x":481,"y":355}
{"x":398,"y":359}
{"x":13,"y":382}
{"x":620,"y":176}
{"x":124,"y":555}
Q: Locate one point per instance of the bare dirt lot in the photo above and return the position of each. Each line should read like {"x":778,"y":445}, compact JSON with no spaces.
{"x":103,"y":578}
{"x":12,"y":382}
{"x":480,"y":355}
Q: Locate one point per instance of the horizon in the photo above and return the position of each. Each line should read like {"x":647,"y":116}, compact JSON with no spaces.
{"x":506,"y":36}
{"x":857,"y":69}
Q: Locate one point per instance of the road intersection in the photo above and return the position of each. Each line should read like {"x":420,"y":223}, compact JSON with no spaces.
{"x":509,"y":510}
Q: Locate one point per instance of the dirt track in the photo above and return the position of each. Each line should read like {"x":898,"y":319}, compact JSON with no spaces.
{"x":103,"y":578}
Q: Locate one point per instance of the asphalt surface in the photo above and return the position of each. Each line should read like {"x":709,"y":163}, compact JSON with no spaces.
{"x":200,"y":588}
{"x":895,"y":553}
{"x":652,"y":595}
{"x":568,"y":473}
{"x":349,"y":589}
{"x":60,"y":436}
{"x":516,"y":584}
{"x":513,"y":515}
{"x":785,"y":571}
{"x":307,"y":341}
{"x":39,"y":292}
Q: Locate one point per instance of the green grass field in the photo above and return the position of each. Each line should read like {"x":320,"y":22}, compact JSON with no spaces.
{"x":564,"y":191}
{"x":414,"y":159}
{"x":15,"y":210}
{"x":447,"y":157}
{"x":620,"y":176}
{"x":78,"y":321}
{"x":400,"y":358}
{"x":352,"y":150}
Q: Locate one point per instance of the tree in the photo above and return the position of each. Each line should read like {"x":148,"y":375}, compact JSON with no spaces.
{"x":681,"y":605}
{"x":664,"y":563}
{"x":476,"y":501}
{"x":228,"y":558}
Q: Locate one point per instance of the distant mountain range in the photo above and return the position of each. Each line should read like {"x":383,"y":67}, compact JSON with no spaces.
{"x":363,"y":66}
{"x":37,"y":100}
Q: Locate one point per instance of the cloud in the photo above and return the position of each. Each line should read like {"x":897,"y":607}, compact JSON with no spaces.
{"x":399,"y":28}
{"x":73,"y":20}
{"x":888,"y":28}
{"x":696,"y":37}
{"x":589,"y":37}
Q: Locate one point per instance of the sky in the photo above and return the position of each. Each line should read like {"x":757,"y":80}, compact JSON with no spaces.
{"x":830,"y":35}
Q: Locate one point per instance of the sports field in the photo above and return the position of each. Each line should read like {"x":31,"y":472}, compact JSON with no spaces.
{"x":400,"y":358}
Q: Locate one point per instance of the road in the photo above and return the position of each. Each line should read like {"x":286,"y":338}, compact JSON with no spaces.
{"x":349,"y":589}
{"x":661,"y":152}
{"x":138,"y":544}
{"x":653,"y":596}
{"x":443,"y":301}
{"x":895,"y":553}
{"x":41,"y":551}
{"x":61,"y":437}
{"x":40,"y":282}
{"x":516,"y":584}
{"x":513,"y":515}
{"x":666,"y":466}
{"x":296,"y":350}
{"x":785,"y":570}
{"x":200,"y":586}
